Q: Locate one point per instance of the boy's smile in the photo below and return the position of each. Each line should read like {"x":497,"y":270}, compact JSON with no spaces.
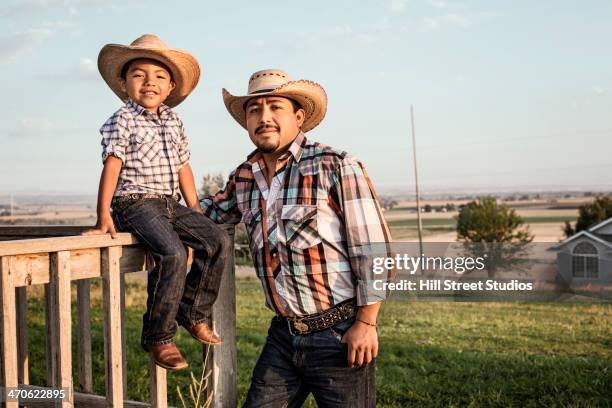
{"x":148,"y":83}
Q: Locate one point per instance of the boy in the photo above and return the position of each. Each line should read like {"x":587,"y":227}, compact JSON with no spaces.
{"x":145,"y":157}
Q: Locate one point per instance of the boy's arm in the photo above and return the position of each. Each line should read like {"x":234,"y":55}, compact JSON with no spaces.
{"x":108,"y":183}
{"x":188,"y":188}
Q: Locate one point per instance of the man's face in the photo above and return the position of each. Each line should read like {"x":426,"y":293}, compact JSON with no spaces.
{"x":271,"y":122}
{"x":148,"y":83}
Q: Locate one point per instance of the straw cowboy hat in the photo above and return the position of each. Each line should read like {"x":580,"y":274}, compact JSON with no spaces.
{"x":183,"y":66}
{"x":310,"y":95}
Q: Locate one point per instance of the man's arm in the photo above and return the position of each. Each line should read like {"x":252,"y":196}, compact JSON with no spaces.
{"x":222,"y":208}
{"x":366,"y":233}
{"x":188,"y":188}
{"x":108,"y":183}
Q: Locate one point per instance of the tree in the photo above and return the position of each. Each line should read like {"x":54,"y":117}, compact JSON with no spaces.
{"x":493,"y":231}
{"x":590,"y":214}
{"x":211,"y":184}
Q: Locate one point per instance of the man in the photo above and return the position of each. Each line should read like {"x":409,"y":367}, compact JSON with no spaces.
{"x":313,"y":219}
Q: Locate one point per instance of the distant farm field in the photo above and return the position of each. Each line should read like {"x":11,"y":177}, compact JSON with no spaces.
{"x":432,"y":354}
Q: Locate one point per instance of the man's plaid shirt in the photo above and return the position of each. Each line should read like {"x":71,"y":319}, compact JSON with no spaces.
{"x":308,"y":244}
{"x":152,"y":148}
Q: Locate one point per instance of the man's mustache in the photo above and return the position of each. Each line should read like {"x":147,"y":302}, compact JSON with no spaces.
{"x":265,"y":127}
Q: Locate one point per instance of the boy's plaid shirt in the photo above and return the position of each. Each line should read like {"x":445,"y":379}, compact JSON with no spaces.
{"x":310,"y":246}
{"x":152,"y":148}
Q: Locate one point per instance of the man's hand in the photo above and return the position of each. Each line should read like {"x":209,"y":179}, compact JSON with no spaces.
{"x":362,"y":341}
{"x":104,"y":225}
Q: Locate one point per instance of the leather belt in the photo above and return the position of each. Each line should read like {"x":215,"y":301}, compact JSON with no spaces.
{"x":321,"y":321}
{"x":125,"y":200}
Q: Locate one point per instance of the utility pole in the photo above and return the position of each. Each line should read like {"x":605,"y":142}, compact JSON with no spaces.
{"x":416,"y":185}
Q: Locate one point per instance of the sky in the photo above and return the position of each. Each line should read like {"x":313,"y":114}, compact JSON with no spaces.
{"x":506,"y":94}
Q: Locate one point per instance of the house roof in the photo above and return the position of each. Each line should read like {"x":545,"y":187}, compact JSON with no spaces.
{"x":600,"y":225}
{"x":583,"y":233}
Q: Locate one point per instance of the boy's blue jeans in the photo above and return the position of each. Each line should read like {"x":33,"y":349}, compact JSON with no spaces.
{"x":292,"y":366}
{"x":173,"y":295}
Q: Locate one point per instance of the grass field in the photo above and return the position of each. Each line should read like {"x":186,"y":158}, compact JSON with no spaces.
{"x":433,"y":354}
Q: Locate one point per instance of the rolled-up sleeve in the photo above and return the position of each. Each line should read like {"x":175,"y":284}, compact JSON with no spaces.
{"x":367,"y":233}
{"x":115,"y":137}
{"x":222,"y":208}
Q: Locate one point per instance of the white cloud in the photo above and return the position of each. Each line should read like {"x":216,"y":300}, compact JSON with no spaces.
{"x":439,"y":4}
{"x":21,"y":43}
{"x":397,"y":6}
{"x":430,"y":23}
{"x":86,"y":67}
{"x":456,"y":20}
{"x":598,"y":90}
{"x":27,"y":7}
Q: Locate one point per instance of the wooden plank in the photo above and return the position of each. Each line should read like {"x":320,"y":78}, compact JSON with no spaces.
{"x":50,"y":336}
{"x":112,"y":326}
{"x":33,"y":269}
{"x":33,"y":246}
{"x":22,"y":336}
{"x":159,"y":387}
{"x":84,"y":333}
{"x":9,"y":328}
{"x":42,"y":231}
{"x":81,"y":400}
{"x":123,"y":334}
{"x":60,"y":287}
{"x":224,"y":359}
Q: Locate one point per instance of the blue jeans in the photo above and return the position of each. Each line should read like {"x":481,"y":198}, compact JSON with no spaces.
{"x":173,"y":295}
{"x":290,"y":367}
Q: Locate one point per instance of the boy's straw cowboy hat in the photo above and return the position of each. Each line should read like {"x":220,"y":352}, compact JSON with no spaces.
{"x":274,"y":82}
{"x":184,"y":67}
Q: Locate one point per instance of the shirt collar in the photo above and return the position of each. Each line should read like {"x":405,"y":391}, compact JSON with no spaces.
{"x":137,"y":109}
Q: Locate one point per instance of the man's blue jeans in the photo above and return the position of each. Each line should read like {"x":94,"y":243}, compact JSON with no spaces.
{"x":173,"y":295}
{"x":290,"y":367}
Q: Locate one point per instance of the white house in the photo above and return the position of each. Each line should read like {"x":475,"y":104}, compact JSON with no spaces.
{"x":586,"y":257}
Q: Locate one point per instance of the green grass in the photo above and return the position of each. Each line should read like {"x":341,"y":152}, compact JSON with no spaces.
{"x":432,"y":354}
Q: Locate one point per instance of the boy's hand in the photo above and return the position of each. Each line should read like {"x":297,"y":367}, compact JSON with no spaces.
{"x":104,"y":225}
{"x":196,"y":207}
{"x":362,"y":341}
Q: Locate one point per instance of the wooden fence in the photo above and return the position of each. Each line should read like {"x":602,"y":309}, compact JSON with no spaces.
{"x":55,"y":257}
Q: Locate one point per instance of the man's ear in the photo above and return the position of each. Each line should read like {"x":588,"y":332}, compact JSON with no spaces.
{"x":300,"y":115}
{"x":123,"y":87}
{"x":172,"y":86}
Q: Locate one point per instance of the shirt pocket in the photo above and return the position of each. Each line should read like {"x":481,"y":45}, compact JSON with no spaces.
{"x":252,"y":221}
{"x":300,"y":226}
{"x":147,"y":147}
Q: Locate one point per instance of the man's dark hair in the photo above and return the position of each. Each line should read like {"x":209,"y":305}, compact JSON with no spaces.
{"x":126,"y":67}
{"x":296,"y":105}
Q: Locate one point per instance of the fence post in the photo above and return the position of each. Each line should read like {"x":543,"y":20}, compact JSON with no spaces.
{"x":222,"y":359}
{"x":60,"y":289}
{"x":9,"y":329}
{"x":112,"y":326}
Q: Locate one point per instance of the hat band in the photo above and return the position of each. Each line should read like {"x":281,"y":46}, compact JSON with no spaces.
{"x":262,"y":91}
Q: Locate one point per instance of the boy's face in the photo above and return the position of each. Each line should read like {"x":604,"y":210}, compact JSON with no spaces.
{"x":148,"y":83}
{"x":271,"y":122}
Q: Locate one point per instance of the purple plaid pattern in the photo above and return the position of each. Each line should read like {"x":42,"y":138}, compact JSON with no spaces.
{"x":313,"y":253}
{"x":152,"y":148}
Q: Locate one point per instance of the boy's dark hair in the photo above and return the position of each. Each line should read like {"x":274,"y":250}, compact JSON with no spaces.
{"x":126,"y":67}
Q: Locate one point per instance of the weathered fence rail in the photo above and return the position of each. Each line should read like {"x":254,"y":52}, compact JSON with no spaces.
{"x":55,"y":257}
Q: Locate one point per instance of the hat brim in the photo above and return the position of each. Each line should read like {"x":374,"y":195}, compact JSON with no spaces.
{"x":184,"y":68}
{"x":310,"y":95}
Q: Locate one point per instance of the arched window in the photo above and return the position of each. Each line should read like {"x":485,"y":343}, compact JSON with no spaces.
{"x":585,"y":262}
